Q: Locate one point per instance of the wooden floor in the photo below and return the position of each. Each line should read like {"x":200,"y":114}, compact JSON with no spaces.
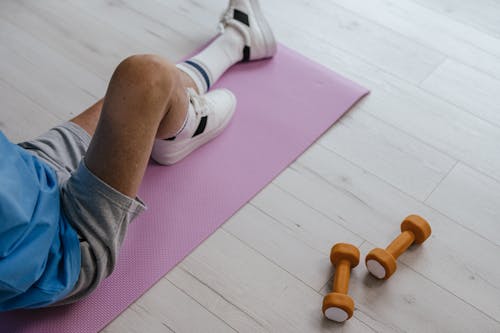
{"x":427,"y":140}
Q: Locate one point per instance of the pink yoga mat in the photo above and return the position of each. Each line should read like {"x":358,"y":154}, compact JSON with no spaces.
{"x":284,"y":105}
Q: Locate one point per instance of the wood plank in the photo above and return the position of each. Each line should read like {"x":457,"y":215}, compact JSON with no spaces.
{"x":434,"y":30}
{"x":303,"y":222}
{"x":441,"y":125}
{"x":405,"y":106}
{"x":54,"y":93}
{"x":180,"y":313}
{"x":136,"y":319}
{"x":198,"y":11}
{"x":22,"y":119}
{"x":481,"y":14}
{"x":472,"y":199}
{"x":261,"y":289}
{"x":468,"y":88}
{"x":455,"y":258}
{"x":98,"y":47}
{"x":213,"y":301}
{"x":401,"y":160}
{"x":408,"y":302}
{"x":40,"y":55}
{"x":162,"y":30}
{"x":278,"y":244}
{"x":370,"y":42}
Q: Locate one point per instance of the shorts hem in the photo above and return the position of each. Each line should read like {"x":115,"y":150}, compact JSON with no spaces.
{"x":130,"y":205}
{"x":78,"y":132}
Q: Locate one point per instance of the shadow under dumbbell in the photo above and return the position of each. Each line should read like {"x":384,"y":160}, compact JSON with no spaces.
{"x":372,"y":282}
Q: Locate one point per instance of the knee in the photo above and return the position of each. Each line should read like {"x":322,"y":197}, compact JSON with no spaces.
{"x":146,"y":72}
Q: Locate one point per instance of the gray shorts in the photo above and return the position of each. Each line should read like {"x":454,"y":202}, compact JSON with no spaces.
{"x":99,"y":213}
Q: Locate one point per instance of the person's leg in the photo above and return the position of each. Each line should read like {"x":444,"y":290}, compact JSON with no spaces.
{"x":245,"y":36}
{"x":145,"y":100}
{"x":164,"y":107}
{"x":89,"y":118}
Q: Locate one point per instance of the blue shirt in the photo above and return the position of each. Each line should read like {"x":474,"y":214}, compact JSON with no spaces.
{"x":39,"y":250}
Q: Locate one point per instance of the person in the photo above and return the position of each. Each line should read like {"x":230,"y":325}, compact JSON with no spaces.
{"x":67,"y":197}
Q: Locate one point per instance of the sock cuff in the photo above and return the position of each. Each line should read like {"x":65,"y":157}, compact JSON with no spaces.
{"x":198,"y":73}
{"x":194,"y":75}
{"x":202,"y":69}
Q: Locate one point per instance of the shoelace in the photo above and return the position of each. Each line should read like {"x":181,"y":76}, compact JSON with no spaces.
{"x":200,"y":104}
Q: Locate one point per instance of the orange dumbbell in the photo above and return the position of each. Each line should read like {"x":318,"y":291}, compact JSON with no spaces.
{"x":382,"y":263}
{"x":338,"y":306}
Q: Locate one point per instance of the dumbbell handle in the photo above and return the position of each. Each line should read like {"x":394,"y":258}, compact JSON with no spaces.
{"x":400,"y":244}
{"x":341,"y":279}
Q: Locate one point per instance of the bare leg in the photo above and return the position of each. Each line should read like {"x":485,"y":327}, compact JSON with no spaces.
{"x":89,"y":118}
{"x":146,"y":99}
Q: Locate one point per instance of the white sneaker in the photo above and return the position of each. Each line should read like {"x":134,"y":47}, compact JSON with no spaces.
{"x":246,"y":16}
{"x":212,"y":113}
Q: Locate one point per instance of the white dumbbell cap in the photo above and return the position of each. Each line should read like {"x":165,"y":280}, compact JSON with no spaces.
{"x":336,"y":314}
{"x":376,"y":269}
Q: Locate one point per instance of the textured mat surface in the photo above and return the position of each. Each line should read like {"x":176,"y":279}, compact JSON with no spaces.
{"x":284,"y":105}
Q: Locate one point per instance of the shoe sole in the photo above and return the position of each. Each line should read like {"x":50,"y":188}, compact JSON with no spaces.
{"x":265,"y":29}
{"x":169,"y":159}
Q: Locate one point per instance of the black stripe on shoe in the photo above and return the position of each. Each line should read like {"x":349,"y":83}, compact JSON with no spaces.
{"x":201,"y":70}
{"x":240,"y":16}
{"x":246,"y":53}
{"x":170,"y":139}
{"x":201,"y":126}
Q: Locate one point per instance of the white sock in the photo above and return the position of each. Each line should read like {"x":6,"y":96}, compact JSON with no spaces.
{"x":207,"y":67}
